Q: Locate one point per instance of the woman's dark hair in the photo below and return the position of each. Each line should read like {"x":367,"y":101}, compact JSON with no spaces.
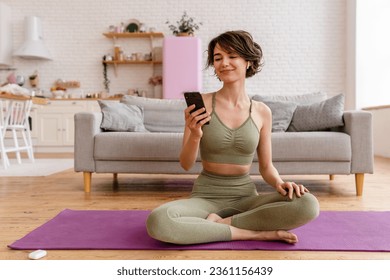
{"x":240,"y":42}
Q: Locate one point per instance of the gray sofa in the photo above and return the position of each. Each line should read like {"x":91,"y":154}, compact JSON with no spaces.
{"x":150,"y":142}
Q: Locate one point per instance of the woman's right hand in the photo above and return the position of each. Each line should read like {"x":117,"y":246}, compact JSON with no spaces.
{"x":195,"y":120}
{"x":192,"y":135}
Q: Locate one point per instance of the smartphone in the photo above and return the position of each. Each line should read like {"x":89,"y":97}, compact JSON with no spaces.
{"x":194,"y":97}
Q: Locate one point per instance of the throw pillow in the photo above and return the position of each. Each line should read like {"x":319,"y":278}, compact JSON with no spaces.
{"x":121,"y":117}
{"x":319,"y":116}
{"x":160,"y":115}
{"x":307,"y":98}
{"x":282,"y":113}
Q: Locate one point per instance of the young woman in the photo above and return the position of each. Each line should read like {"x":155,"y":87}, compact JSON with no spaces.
{"x":224,"y":204}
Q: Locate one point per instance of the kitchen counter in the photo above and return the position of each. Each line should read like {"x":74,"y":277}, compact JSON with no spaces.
{"x":43,"y":100}
{"x":83,"y":99}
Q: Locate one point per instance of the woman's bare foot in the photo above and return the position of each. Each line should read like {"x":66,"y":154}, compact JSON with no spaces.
{"x":286,"y":236}
{"x":244,"y":234}
{"x":272,"y":235}
{"x":212,"y":217}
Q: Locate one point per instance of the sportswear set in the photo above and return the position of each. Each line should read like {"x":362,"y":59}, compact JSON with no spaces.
{"x":184,"y":221}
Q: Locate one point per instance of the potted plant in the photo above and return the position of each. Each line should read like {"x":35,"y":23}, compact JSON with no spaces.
{"x":186,"y":26}
{"x":106,"y":81}
{"x":156,"y":82}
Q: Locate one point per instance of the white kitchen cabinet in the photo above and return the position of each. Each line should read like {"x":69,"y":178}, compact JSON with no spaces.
{"x":93,"y":106}
{"x":56,"y":129}
{"x":56,"y":122}
{"x":53,"y":123}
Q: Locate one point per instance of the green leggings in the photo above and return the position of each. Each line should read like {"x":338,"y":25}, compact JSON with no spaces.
{"x":184,"y":221}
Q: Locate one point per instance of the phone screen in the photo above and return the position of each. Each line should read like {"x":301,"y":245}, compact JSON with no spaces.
{"x":194,"y":98}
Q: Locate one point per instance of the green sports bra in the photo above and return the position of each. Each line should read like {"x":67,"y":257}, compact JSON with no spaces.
{"x":221,"y":144}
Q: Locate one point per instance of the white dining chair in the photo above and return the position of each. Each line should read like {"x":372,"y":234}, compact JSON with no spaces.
{"x":3,"y":114}
{"x":15,"y":121}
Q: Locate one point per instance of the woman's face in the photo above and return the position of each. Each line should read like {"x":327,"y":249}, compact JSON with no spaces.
{"x":229,"y":66}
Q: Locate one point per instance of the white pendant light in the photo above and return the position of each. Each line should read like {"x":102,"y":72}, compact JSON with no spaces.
{"x":33,"y":46}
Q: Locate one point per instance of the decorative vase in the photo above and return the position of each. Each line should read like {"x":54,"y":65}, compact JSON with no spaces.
{"x":157,"y":91}
{"x":184,"y":34}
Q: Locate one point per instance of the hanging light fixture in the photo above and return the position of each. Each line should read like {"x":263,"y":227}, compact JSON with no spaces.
{"x":33,"y":46}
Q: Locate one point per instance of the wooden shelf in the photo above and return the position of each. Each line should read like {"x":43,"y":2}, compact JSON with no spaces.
{"x":151,"y":36}
{"x":115,"y":62}
{"x":134,"y":35}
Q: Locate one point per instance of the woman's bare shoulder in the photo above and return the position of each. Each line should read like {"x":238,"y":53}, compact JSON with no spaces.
{"x":261,"y":114}
{"x":261,"y":108}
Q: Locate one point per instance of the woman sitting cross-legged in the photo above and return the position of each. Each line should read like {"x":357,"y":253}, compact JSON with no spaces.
{"x":224,"y":204}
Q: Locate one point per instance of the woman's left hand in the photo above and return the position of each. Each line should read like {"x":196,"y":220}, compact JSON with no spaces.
{"x":289,"y":188}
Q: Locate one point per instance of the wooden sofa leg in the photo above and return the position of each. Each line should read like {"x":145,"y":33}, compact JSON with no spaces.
{"x":331,"y":177}
{"x":115,"y":184}
{"x":87,"y":181}
{"x":359,"y":180}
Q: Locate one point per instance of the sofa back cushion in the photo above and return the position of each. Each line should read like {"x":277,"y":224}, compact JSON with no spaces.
{"x":283,"y":107}
{"x":306,"y":112}
{"x":121,"y":117}
{"x":160,"y":115}
{"x":301,"y":99}
{"x":319,"y":116}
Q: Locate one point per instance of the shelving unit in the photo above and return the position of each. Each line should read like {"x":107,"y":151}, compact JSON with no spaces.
{"x":152,"y":61}
{"x":133,"y":62}
{"x":134,"y":35}
{"x":127,"y":35}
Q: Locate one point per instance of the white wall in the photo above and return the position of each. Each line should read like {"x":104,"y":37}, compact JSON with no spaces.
{"x":372,"y":70}
{"x":372,"y":53}
{"x":303,"y":40}
{"x":381,"y":128}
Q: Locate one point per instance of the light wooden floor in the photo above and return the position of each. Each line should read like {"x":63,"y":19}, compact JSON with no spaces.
{"x":28,"y":202}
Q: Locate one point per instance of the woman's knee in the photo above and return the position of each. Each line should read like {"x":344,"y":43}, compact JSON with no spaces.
{"x":156,"y":224}
{"x":310,"y":206}
{"x":162,"y":225}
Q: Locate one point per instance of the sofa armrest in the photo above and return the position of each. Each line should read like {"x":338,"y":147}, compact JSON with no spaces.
{"x":87,"y":125}
{"x":358,"y":124}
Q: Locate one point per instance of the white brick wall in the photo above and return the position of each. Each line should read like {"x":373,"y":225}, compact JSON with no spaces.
{"x":303,"y":40}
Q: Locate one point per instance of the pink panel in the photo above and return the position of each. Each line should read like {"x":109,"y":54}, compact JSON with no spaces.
{"x":182,"y":66}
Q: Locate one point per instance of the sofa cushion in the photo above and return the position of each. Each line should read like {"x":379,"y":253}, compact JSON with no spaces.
{"x":319,"y":116}
{"x":307,"y":98}
{"x":120,"y":117}
{"x":160,"y":115}
{"x":286,"y":147}
{"x":282,"y":113}
{"x":311,"y":146}
{"x":137,"y":146}
{"x":283,"y":107}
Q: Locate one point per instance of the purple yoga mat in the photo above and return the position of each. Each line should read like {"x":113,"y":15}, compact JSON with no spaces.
{"x":125,"y":230}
